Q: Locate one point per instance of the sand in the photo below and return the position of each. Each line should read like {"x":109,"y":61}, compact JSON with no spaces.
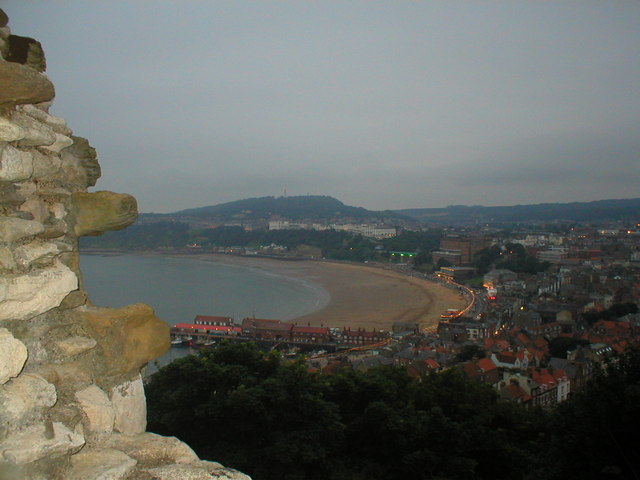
{"x":361,"y":296}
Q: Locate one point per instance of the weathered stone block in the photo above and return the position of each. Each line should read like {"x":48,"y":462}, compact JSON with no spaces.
{"x":9,"y":194}
{"x":13,"y":355}
{"x":45,"y":165}
{"x":99,"y":212}
{"x":14,"y":229}
{"x":36,"y":134}
{"x":58,"y":124}
{"x":20,"y":84}
{"x":15,"y":165}
{"x":6,"y":259}
{"x":75,"y":345}
{"x":83,"y":157}
{"x":130,"y":406}
{"x":9,"y":131}
{"x":61,"y":142}
{"x":128,"y":337}
{"x":195,"y":471}
{"x":35,"y":443}
{"x":152,"y":449}
{"x":99,"y":412}
{"x":24,"y":398}
{"x":104,"y":464}
{"x":30,"y":253}
{"x":28,"y":295}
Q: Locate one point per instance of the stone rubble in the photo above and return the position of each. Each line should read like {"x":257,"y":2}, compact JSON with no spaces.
{"x":72,"y":403}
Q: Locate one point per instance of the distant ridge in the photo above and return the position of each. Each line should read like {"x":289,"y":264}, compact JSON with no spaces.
{"x":599,"y":210}
{"x":308,"y":207}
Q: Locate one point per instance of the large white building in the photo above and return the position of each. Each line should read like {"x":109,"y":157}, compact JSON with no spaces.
{"x":367,"y":230}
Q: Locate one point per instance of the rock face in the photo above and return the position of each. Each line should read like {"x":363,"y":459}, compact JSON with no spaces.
{"x":72,"y":402}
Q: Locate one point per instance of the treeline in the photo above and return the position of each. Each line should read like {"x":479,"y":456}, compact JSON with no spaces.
{"x":331,"y":243}
{"x":275,"y":420}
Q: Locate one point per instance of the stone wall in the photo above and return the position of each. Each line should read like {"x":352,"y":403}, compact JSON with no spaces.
{"x":72,"y":402}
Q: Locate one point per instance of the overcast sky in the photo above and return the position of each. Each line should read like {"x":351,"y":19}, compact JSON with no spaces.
{"x":384,"y":105}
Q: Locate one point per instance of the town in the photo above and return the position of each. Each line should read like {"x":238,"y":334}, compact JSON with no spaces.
{"x":536,"y":331}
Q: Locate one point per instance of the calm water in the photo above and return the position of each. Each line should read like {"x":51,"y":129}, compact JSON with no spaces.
{"x":178,"y":289}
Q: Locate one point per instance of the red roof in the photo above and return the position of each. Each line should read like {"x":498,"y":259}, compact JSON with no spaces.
{"x":543,"y":378}
{"x":486,"y":365}
{"x":208,"y":328}
{"x":516,"y":392}
{"x":431,"y":363}
{"x":311,"y":330}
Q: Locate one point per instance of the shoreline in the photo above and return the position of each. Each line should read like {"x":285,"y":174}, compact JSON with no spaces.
{"x":360,"y":295}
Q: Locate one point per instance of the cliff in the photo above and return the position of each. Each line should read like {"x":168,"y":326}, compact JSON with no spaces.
{"x":72,"y":403}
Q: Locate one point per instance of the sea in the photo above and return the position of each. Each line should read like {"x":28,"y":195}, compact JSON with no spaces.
{"x":179,"y":288}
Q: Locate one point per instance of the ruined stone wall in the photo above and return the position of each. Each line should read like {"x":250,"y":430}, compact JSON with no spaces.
{"x":72,"y":402}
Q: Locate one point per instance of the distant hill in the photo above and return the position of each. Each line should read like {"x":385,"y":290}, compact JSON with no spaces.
{"x":600,"y":210}
{"x":308,"y":207}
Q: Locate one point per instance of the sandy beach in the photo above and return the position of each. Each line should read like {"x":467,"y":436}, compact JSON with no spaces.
{"x":362,"y":296}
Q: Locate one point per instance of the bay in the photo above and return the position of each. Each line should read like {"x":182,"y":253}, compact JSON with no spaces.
{"x":179,"y":288}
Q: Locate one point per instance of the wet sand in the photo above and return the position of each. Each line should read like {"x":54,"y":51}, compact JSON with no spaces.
{"x":362,"y":296}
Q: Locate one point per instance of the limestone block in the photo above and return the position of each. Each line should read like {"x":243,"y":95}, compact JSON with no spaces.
{"x":6,"y":259}
{"x":130,"y":406}
{"x":25,"y":296}
{"x":20,"y":84}
{"x":35,"y":443}
{"x":195,"y":471}
{"x":99,"y":212}
{"x":26,"y":189}
{"x":38,"y":250}
{"x":35,"y":206}
{"x":15,"y":165}
{"x":129,"y":337}
{"x":53,"y":228}
{"x":104,"y":464}
{"x":24,"y":398}
{"x":36,"y":134}
{"x":75,"y":345}
{"x":98,"y":410}
{"x":64,"y":374}
{"x":13,"y":355}
{"x":9,"y":194}
{"x":149,"y":448}
{"x":14,"y":229}
{"x":45,"y":165}
{"x":58,"y":211}
{"x":58,"y":124}
{"x":9,"y":131}
{"x":61,"y":142}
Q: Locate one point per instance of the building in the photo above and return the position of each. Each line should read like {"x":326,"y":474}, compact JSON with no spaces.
{"x":362,"y":337}
{"x":310,"y":334}
{"x":265,"y":329}
{"x":456,"y":274}
{"x":213,"y":320}
{"x":460,"y":250}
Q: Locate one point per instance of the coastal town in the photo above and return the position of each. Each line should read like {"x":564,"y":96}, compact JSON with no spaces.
{"x":535,"y":337}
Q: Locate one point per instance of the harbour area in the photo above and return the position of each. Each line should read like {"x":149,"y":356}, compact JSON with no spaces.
{"x":207,"y":330}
